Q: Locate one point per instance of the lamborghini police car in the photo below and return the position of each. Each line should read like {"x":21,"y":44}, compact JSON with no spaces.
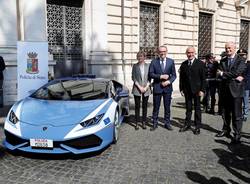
{"x":68,"y":115}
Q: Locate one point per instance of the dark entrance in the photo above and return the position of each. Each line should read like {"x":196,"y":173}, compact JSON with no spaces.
{"x":64,"y":28}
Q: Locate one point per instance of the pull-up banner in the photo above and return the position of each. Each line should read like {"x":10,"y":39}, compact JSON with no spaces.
{"x":32,"y":67}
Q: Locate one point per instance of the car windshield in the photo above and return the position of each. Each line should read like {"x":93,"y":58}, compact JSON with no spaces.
{"x":73,"y":90}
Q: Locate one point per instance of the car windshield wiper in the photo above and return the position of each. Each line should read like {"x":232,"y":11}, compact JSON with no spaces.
{"x":68,"y":94}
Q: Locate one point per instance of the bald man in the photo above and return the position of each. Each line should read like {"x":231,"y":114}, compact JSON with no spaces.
{"x":192,"y":87}
{"x":231,"y":71}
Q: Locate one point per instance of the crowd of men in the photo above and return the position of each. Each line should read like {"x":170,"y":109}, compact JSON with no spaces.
{"x":199,"y":82}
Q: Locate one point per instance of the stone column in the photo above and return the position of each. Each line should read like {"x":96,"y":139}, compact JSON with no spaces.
{"x":96,"y":38}
{"x":34,"y":20}
{"x":8,"y":39}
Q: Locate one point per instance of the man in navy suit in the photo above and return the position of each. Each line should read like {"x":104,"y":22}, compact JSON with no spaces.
{"x":162,"y":71}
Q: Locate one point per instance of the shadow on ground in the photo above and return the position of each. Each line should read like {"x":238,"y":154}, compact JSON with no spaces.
{"x":198,"y":178}
{"x":179,"y":105}
{"x":236,"y":159}
{"x":130,"y":120}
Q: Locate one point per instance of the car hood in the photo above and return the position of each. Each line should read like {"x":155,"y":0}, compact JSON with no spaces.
{"x":55,"y":113}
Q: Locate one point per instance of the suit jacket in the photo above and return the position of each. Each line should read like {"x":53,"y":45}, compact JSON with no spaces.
{"x":247,"y":76}
{"x":2,"y":67}
{"x":155,"y":72}
{"x":141,"y":80}
{"x":192,"y":79}
{"x":230,"y":73}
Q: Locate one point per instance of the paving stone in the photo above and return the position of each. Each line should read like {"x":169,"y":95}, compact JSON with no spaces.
{"x":159,"y":157}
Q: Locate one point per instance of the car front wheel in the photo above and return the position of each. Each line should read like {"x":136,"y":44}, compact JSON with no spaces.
{"x":116,"y":127}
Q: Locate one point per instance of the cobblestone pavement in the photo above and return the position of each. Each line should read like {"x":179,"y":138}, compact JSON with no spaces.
{"x":142,"y":157}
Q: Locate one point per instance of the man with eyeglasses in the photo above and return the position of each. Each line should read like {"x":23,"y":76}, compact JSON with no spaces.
{"x":162,"y":71}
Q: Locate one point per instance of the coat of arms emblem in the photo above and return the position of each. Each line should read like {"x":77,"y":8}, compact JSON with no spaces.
{"x":32,"y":63}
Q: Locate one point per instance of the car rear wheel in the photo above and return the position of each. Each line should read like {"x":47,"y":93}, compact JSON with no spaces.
{"x":116,"y":127}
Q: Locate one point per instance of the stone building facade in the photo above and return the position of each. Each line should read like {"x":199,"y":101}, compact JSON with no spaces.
{"x":103,"y":36}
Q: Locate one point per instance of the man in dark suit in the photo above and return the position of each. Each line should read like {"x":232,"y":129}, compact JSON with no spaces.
{"x":192,"y":87}
{"x":231,"y":70}
{"x":243,"y":53}
{"x":211,"y":83}
{"x":2,"y":67}
{"x":162,"y":71}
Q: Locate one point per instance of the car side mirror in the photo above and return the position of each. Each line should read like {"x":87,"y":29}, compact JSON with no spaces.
{"x":120,"y":94}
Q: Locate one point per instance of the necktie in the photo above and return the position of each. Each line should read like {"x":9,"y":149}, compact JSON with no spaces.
{"x":231,"y":62}
{"x":162,"y":65}
{"x":189,"y":63}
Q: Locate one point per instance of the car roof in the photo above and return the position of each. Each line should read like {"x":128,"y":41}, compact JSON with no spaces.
{"x":82,"y":78}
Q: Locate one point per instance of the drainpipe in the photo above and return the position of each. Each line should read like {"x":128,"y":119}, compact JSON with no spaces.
{"x":20,"y":23}
{"x":122,"y":41}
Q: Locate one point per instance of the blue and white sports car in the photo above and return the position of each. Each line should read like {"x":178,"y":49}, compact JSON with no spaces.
{"x":70,"y":115}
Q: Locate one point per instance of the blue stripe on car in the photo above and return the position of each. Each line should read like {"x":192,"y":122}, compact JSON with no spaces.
{"x":106,"y":121}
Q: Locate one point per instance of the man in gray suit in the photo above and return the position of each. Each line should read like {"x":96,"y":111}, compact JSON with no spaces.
{"x":231,"y":71}
{"x":141,"y":88}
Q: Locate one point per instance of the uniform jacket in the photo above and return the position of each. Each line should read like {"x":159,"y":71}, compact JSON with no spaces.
{"x":230,"y":73}
{"x":155,"y":72}
{"x":192,"y":78}
{"x":141,"y":80}
{"x":247,"y":76}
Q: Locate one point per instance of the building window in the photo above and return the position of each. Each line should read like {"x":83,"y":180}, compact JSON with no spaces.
{"x":64,"y":32}
{"x":244,"y":34}
{"x":64,"y":28}
{"x":205,"y":34}
{"x":149,"y":29}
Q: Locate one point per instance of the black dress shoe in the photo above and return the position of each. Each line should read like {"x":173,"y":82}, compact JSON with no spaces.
{"x":136,"y":126}
{"x":184,"y":128}
{"x":197,"y":131}
{"x":236,"y":139}
{"x":169,"y":127}
{"x":223,"y":134}
{"x":155,"y":126}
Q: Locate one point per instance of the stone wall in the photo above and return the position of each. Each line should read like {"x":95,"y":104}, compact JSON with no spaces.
{"x":178,"y":29}
{"x":113,"y":25}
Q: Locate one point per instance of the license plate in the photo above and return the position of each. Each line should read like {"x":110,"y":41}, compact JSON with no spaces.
{"x":41,"y":143}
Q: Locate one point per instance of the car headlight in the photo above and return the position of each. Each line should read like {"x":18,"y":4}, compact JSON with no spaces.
{"x":13,"y":118}
{"x":93,"y":121}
